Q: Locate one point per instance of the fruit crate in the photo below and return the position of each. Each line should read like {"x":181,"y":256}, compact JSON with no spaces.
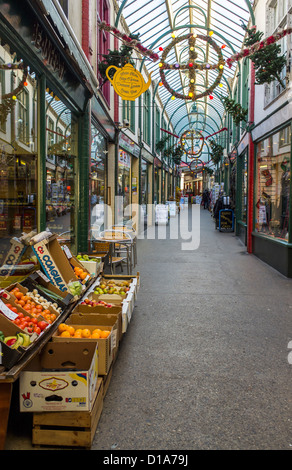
{"x":68,"y":428}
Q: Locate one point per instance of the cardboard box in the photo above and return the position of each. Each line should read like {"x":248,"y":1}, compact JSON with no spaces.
{"x":54,"y":262}
{"x":115,"y":321}
{"x":105,"y":345}
{"x":92,"y":266}
{"x":62,"y":377}
{"x":99,"y":309}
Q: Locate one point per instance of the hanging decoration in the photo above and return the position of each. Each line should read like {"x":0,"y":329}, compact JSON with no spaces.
{"x":192,"y":66}
{"x":268,"y":61}
{"x":216,"y":152}
{"x":130,"y":41}
{"x":237,"y":112}
{"x":192,"y":142}
{"x":128,"y":83}
{"x":8,"y":101}
{"x":257,"y":46}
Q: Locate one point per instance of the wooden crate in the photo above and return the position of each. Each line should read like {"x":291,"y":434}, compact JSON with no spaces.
{"x":68,"y":428}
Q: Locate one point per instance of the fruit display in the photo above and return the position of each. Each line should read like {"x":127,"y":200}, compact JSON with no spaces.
{"x":28,"y":323}
{"x":112,"y":287}
{"x":80,"y":273}
{"x":68,"y":331}
{"x":33,"y":307}
{"x":94,"y":303}
{"x":20,"y":339}
{"x":86,"y":258}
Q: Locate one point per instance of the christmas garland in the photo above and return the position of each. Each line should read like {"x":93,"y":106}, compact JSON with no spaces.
{"x":134,"y":43}
{"x":248,"y":51}
{"x":191,"y":66}
{"x":237,"y":112}
{"x":9,"y":100}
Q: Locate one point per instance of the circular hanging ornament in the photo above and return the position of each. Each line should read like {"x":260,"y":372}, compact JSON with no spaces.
{"x":192,"y":142}
{"x":192,"y":66}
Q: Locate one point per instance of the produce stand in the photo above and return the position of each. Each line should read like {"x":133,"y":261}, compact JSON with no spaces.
{"x":72,"y":309}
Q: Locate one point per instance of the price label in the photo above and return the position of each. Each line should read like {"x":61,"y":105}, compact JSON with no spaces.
{"x":67,"y":252}
{"x":7,"y":312}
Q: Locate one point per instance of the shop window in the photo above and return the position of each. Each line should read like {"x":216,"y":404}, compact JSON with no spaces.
{"x":60,"y":170}
{"x":157,"y":124}
{"x":103,"y":42}
{"x":97,"y":182}
{"x":18,"y":168}
{"x":146,"y":117}
{"x":273,"y":185}
{"x":124,"y":182}
{"x":2,"y":90}
{"x":129,"y":113}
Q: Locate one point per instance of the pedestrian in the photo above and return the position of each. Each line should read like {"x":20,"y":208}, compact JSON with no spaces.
{"x":206,"y":198}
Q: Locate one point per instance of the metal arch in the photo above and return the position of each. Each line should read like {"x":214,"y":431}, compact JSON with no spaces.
{"x":207,"y":125}
{"x":249,"y":6}
{"x":189,"y":7}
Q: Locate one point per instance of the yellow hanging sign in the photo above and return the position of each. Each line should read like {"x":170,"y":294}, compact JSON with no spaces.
{"x":128,"y":83}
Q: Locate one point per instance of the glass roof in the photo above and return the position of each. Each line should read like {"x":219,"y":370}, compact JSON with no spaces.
{"x":156,"y":21}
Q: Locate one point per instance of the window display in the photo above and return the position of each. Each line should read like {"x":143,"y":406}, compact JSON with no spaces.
{"x":97,"y":182}
{"x":273,"y":185}
{"x":60,"y":164}
{"x":244,"y":189}
{"x":18,"y":152}
{"x":124,"y":181}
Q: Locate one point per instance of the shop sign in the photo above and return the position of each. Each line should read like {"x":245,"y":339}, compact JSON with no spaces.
{"x":124,"y":159}
{"x":129,"y":145}
{"x":128,"y":82}
{"x":49,"y":52}
{"x":226,"y":220}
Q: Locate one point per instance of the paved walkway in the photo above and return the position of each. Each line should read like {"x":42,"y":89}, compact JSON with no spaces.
{"x":204,"y":363}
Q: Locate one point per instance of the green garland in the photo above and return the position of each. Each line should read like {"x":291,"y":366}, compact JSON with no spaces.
{"x":268,"y":61}
{"x":117,"y":58}
{"x":216,"y":152}
{"x":237,"y":112}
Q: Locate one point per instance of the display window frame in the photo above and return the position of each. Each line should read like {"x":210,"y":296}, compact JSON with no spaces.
{"x":288,"y":241}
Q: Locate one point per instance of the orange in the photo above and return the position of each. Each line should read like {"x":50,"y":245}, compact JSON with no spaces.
{"x":95,"y":335}
{"x":18,"y":295}
{"x":97,"y":330}
{"x":62,"y":327}
{"x":65,"y":334}
{"x":71,"y":330}
{"x":86,"y":333}
{"x":104,"y":333}
{"x":83,"y":275}
{"x":77,"y":334}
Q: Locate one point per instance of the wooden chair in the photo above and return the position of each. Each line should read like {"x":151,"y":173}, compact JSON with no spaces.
{"x":105,"y":250}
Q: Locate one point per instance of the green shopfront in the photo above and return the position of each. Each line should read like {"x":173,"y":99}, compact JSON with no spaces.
{"x":44,"y":128}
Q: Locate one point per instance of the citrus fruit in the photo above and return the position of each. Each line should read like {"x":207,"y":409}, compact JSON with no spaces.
{"x":65,"y":334}
{"x":104,"y":333}
{"x":71,"y":330}
{"x":95,"y":335}
{"x":62,"y":327}
{"x":86,"y":333}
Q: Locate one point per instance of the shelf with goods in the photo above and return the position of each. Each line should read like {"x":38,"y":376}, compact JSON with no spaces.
{"x":37,"y":298}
